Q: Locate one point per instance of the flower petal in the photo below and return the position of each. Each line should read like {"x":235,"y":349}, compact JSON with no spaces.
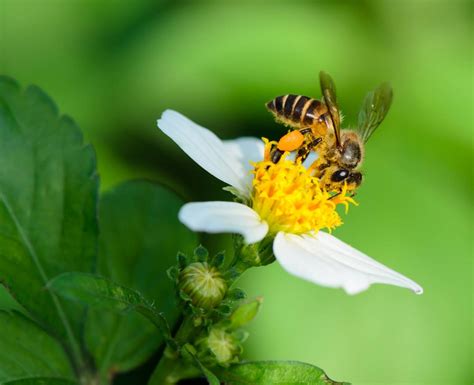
{"x":327,"y":261}
{"x":312,"y":157}
{"x":246,"y":150}
{"x":205,"y":148}
{"x":224,"y":217}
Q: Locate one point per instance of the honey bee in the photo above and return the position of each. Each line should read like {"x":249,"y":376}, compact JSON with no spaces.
{"x":308,"y":119}
{"x":318,"y":124}
{"x":341,"y":153}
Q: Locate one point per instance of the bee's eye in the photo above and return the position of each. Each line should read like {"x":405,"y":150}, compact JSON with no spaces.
{"x":339,"y":175}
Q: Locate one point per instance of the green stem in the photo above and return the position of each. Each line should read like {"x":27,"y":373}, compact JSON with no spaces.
{"x":171,"y":368}
{"x":186,"y":330}
{"x":165,"y":372}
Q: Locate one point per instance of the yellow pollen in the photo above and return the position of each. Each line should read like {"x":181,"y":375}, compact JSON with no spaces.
{"x":289,"y":199}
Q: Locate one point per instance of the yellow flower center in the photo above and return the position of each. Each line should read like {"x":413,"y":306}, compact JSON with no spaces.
{"x":289,"y":199}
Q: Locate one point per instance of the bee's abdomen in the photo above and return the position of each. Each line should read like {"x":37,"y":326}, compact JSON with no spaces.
{"x":296,"y":110}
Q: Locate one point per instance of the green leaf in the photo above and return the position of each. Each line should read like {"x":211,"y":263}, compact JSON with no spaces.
{"x":93,"y":290}
{"x":40,"y":381}
{"x":28,"y":351}
{"x":48,"y":191}
{"x":7,"y":302}
{"x":211,"y":377}
{"x":275,"y":373}
{"x":139,"y":240}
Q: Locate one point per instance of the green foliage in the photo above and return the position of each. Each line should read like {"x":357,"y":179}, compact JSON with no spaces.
{"x":48,"y":228}
{"x":140,"y":235}
{"x":210,"y":376}
{"x":276,"y":373}
{"x":51,"y":251}
{"x":29,"y":352}
{"x":93,"y":290}
{"x":40,"y":381}
{"x":48,"y":190}
{"x":7,"y":302}
{"x":116,"y":65}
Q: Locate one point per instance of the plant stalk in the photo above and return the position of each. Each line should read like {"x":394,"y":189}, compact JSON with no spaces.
{"x":171,"y":367}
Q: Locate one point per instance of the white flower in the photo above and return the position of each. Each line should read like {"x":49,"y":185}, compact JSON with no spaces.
{"x":299,"y":245}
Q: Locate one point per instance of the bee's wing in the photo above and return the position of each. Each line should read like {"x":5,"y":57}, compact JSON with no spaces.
{"x":328,"y":89}
{"x":374,"y":109}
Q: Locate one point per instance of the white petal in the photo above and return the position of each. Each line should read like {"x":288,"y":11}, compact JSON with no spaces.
{"x":205,"y":148}
{"x":246,"y":150}
{"x":327,"y":261}
{"x":312,"y":157}
{"x":224,"y":217}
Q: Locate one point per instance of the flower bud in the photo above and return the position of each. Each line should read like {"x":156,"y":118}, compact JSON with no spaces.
{"x":203,"y":284}
{"x":219,"y":347}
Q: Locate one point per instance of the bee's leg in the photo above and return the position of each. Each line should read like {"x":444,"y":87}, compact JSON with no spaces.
{"x":304,"y":151}
{"x":318,"y":167}
{"x":335,"y":195}
{"x":275,"y":154}
{"x":306,"y":130}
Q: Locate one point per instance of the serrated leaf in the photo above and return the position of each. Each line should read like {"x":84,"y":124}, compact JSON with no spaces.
{"x":28,"y":351}
{"x":140,"y":237}
{"x":275,"y":373}
{"x":48,"y":191}
{"x":94,"y":290}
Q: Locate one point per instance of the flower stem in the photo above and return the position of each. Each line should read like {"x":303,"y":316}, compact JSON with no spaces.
{"x":171,"y":368}
{"x":165,"y":372}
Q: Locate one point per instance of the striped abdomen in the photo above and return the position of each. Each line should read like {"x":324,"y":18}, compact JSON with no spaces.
{"x":297,"y":110}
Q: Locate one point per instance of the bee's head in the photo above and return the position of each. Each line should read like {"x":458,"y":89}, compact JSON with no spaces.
{"x":354,"y":180}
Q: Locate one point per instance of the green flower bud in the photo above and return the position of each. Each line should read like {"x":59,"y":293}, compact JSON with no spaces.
{"x":203,"y":284}
{"x":219,"y":347}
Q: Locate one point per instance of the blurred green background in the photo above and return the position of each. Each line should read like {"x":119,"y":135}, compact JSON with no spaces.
{"x":114,"y":66}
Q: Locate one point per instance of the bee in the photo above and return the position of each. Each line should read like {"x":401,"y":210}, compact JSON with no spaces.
{"x":308,"y":119}
{"x":341,"y":152}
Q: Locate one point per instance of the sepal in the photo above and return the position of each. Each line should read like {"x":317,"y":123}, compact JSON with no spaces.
{"x":201,"y":254}
{"x":236,"y":294}
{"x":238,"y":195}
{"x":245,"y":313}
{"x":218,"y":260}
{"x":182,"y":259}
{"x":173,"y":273}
